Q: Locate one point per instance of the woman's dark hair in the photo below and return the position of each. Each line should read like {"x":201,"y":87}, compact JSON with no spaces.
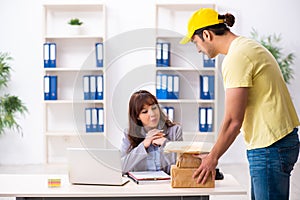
{"x":218,"y":29}
{"x":136,"y":103}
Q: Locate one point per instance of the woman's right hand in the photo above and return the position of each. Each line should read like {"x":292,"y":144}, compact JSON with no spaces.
{"x":152,"y":135}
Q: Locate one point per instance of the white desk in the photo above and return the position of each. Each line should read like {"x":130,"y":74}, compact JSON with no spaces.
{"x":35,"y":186}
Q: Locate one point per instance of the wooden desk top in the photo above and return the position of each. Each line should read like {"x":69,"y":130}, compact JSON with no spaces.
{"x":36,"y":185}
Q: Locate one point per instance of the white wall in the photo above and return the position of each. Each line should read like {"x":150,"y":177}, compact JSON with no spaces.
{"x":21,"y":35}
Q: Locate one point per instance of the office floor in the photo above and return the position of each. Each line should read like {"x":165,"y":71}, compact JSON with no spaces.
{"x":239,"y":171}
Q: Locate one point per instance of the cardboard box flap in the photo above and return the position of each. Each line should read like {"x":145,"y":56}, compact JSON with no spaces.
{"x":188,"y":147}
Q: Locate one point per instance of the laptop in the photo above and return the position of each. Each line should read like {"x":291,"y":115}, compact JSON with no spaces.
{"x":95,"y":166}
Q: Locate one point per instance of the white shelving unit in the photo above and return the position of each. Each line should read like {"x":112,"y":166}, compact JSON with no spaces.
{"x":185,"y":61}
{"x":64,"y":118}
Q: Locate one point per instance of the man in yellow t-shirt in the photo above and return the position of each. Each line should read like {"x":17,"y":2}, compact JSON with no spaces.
{"x":257,"y":104}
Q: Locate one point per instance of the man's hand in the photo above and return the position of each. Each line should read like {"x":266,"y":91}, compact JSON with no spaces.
{"x":207,"y":167}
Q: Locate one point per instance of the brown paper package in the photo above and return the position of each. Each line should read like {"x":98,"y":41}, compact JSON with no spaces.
{"x":187,"y":160}
{"x":182,"y":178}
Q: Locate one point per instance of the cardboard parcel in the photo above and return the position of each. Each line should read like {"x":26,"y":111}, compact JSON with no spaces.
{"x":186,"y":164}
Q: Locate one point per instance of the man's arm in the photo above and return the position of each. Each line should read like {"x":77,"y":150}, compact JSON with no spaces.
{"x":235,"y":106}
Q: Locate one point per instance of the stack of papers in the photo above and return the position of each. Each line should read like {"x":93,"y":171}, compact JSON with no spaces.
{"x":144,"y":177}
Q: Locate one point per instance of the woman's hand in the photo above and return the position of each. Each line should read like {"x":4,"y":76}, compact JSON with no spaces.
{"x":159,"y":141}
{"x":151,"y":136}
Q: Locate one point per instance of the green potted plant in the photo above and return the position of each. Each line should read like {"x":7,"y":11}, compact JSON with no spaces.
{"x":75,"y":26}
{"x":75,"y":22}
{"x":285,"y":61}
{"x":10,"y":105}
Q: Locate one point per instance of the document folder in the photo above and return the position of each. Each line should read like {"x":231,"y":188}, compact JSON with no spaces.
{"x":210,"y":114}
{"x":158,"y":54}
{"x":208,"y":62}
{"x":100,"y":125}
{"x":86,"y":87}
{"x":50,"y":87}
{"x":99,"y":54}
{"x":99,"y":88}
{"x":46,"y":87}
{"x":207,"y":88}
{"x":175,"y":87}
{"x":53,"y":87}
{"x":88,"y":120}
{"x":49,"y":55}
{"x":52,"y":55}
{"x":171,"y":113}
{"x":162,"y":54}
{"x":94,"y":119}
{"x":202,"y":119}
{"x":93,"y":87}
{"x":161,"y":86}
{"x":46,"y":55}
{"x":170,"y":87}
{"x":166,"y":54}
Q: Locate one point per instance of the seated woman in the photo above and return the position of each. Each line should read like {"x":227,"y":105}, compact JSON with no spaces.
{"x":149,"y":131}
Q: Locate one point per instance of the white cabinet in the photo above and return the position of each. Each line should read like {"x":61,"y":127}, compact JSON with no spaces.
{"x":186,"y":63}
{"x":64,"y":118}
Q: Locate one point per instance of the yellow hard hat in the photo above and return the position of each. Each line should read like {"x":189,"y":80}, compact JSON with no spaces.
{"x":201,"y":18}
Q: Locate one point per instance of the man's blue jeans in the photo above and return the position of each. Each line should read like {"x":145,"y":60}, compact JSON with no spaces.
{"x":270,"y":168}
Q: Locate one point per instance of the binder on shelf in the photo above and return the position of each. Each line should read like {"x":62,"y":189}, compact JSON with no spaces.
{"x":100,"y":124}
{"x":162,"y":54}
{"x":202,"y":119}
{"x":49,"y":55}
{"x":165,"y":54}
{"x":93,"y":89}
{"x":165,"y":110}
{"x":99,"y":54}
{"x":50,"y":87}
{"x":99,"y":87}
{"x":171,"y":113}
{"x":208,"y":62}
{"x":94,"y":119}
{"x":86,"y":87}
{"x":88,"y":120}
{"x":209,"y":114}
{"x":158,"y":86}
{"x":207,"y":86}
{"x":46,"y":87}
{"x":175,"y":87}
{"x":161,"y":86}
{"x":53,"y":87}
{"x":170,"y":86}
{"x":206,"y":119}
{"x":158,"y":54}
